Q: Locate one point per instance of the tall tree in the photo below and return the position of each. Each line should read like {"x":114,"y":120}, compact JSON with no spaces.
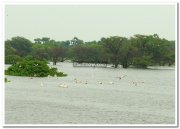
{"x":56,"y":54}
{"x":76,"y":41}
{"x":9,"y":50}
{"x":113,"y":46}
{"x":37,"y":40}
{"x":22,"y":45}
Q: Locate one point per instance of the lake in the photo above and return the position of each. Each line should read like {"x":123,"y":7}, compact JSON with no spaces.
{"x":93,"y":96}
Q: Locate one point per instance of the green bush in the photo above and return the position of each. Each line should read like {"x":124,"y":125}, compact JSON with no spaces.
{"x":32,"y":68}
{"x":142,"y":62}
{"x":53,"y":72}
{"x":30,"y":58}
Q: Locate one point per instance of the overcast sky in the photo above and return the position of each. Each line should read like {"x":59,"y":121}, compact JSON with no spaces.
{"x":88,"y":22}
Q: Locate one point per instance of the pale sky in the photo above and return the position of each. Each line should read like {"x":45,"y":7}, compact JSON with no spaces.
{"x":88,"y":22}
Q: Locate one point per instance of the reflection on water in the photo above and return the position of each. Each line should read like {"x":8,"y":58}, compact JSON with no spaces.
{"x":93,"y":96}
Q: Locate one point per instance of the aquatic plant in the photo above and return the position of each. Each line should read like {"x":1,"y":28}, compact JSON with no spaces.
{"x":6,"y":80}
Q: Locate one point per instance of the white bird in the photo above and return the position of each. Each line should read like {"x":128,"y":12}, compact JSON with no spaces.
{"x":111,"y":82}
{"x":63,"y":85}
{"x":77,"y":81}
{"x":135,"y":83}
{"x":100,"y":82}
{"x":122,"y":76}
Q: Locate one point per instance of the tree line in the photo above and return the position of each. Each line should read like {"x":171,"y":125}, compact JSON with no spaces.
{"x":138,"y":51}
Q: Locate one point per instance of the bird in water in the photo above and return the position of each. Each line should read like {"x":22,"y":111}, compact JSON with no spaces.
{"x":86,"y":82}
{"x":135,"y":83}
{"x":111,"y":82}
{"x":77,"y":81}
{"x":63,"y":85}
{"x":122,"y":76}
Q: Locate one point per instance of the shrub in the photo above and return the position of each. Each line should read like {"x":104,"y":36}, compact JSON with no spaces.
{"x":32,"y":68}
{"x":142,"y":62}
{"x":53,"y":72}
{"x":30,"y":58}
{"x":6,"y":80}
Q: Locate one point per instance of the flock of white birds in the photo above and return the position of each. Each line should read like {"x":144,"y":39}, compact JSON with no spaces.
{"x":78,"y":81}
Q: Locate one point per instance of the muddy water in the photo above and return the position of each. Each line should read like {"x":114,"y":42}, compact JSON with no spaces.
{"x":98,"y":96}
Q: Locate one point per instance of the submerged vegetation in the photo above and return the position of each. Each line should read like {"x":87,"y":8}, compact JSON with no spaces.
{"x":138,"y":51}
{"x":6,"y":80}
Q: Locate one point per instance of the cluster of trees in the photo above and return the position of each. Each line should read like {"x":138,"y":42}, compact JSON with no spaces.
{"x":32,"y":68}
{"x":137,"y":51}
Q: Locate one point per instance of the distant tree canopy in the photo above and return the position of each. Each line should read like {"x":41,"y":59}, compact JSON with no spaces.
{"x":19,"y":46}
{"x":138,"y":51}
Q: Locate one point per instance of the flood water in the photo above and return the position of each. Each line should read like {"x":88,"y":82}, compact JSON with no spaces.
{"x":99,"y":96}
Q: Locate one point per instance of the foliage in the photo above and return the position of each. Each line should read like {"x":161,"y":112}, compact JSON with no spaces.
{"x":31,"y":58}
{"x":113,"y":46}
{"x":21,"y":45}
{"x":138,"y":50}
{"x":12,"y":59}
{"x":6,"y":80}
{"x":76,"y":41}
{"x":53,"y":72}
{"x":39,"y":53}
{"x":159,"y":51}
{"x":142,"y":62}
{"x":56,"y":54}
{"x":90,"y":53}
{"x":9,"y":50}
{"x":32,"y":68}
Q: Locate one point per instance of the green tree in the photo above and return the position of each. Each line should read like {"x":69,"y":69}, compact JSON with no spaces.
{"x":45,"y":40}
{"x":142,"y":62}
{"x":21,"y":45}
{"x":76,"y":41}
{"x":152,"y":50}
{"x":12,"y":59}
{"x":56,"y":54}
{"x":78,"y":53}
{"x":113,"y":46}
{"x":38,"y":40}
{"x":128,"y":51}
{"x":9,"y":50}
{"x":39,"y":52}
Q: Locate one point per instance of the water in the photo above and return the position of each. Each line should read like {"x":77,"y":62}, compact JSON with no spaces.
{"x":141,"y":97}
